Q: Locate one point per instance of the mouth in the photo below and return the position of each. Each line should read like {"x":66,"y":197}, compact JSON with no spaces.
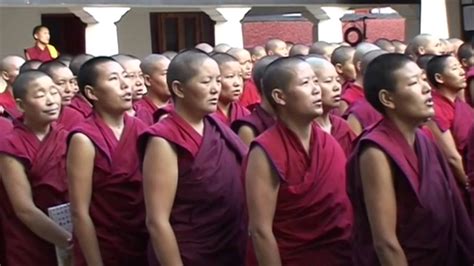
{"x":213,"y":101}
{"x":127,"y":97}
{"x":318,"y":103}
{"x":51,"y":111}
{"x":429,"y":102}
{"x":337,"y":98}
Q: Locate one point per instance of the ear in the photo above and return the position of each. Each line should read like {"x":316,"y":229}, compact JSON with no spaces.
{"x":386,"y":99}
{"x":464,"y":63}
{"x":89,"y":93}
{"x":5,"y":75}
{"x":338,"y":67}
{"x":35,"y":36}
{"x":20,"y":105}
{"x":147,"y":80}
{"x":439,"y":78}
{"x":177,"y":89}
{"x":358,"y":66}
{"x":421,"y":50}
{"x":279,"y":96}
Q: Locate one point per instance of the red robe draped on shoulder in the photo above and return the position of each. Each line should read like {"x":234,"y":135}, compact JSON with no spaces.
{"x":364,"y":112}
{"x":144,"y":110}
{"x":342,"y":133}
{"x":467,"y":92}
{"x":69,"y":117}
{"x":352,"y":93}
{"x":236,"y":111}
{"x":44,"y":163}
{"x":5,"y":127}
{"x":163,"y":112}
{"x":208,"y":214}
{"x":432,"y":224}
{"x":313,"y":216}
{"x":259,"y":120}
{"x":8,"y":103}
{"x":250,"y":95}
{"x":117,"y":206}
{"x":80,"y":104}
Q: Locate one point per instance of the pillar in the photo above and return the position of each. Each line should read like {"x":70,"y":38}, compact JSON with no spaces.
{"x":434,"y":19}
{"x":101,"y":31}
{"x":330,"y":29}
{"x":228,"y":28}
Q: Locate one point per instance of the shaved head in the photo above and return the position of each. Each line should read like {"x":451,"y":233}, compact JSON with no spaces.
{"x":320,"y":48}
{"x":30,"y":65}
{"x":24,"y":81}
{"x":318,"y":64}
{"x":170,"y":54}
{"x":51,"y":67}
{"x":222,"y":48}
{"x":425,"y":44}
{"x":276,"y":47}
{"x":385,"y":45}
{"x":238,"y":52}
{"x":205,"y":47}
{"x":362,"y":49}
{"x":259,"y":70}
{"x":400,"y":47}
{"x":369,"y":57}
{"x":10,"y":68}
{"x":150,"y":63}
{"x":299,"y":49}
{"x":257,"y":52}
{"x":455,"y":44}
{"x":342,"y":54}
{"x":78,"y":61}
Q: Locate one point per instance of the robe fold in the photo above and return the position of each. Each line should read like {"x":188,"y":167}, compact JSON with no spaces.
{"x":9,"y":105}
{"x":258,"y":120}
{"x":162,"y":112}
{"x":352,"y":93}
{"x":364,"y":112}
{"x":344,"y":135}
{"x":44,"y":163}
{"x":69,"y":118}
{"x":250,"y":95}
{"x":144,"y":110}
{"x":5,"y":126}
{"x":117,"y":205}
{"x":80,"y":104}
{"x":313,"y":216}
{"x":208,"y":214}
{"x":432,"y":224}
{"x":457,"y":117}
{"x":44,"y":55}
{"x":236,"y":111}
{"x":470,"y":165}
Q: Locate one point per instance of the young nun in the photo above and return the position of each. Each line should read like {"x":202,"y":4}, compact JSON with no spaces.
{"x":105,"y":182}
{"x":66,"y":82}
{"x":229,"y":108}
{"x":33,"y":175}
{"x":79,"y":102}
{"x":342,"y":59}
{"x":354,"y":90}
{"x":295,"y":180}
{"x":453,"y":117}
{"x":262,"y":116}
{"x":250,"y":96}
{"x":407,"y":211}
{"x":328,"y":81}
{"x":191,"y":169}
{"x":154,"y":68}
{"x":9,"y":68}
{"x":470,"y":164}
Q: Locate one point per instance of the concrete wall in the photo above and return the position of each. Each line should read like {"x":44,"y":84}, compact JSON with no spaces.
{"x":134,"y":36}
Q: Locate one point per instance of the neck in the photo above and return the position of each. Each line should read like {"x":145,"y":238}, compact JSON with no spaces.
{"x":9,"y":89}
{"x":39,"y":129}
{"x":448,"y":93}
{"x":112,"y":120}
{"x":301,"y":127}
{"x":224,"y":107}
{"x":41,"y":45}
{"x":157,"y":100}
{"x":195,"y":119}
{"x":267,"y":106}
{"x":407,"y":127}
{"x":324,"y":121}
{"x":359,"y":81}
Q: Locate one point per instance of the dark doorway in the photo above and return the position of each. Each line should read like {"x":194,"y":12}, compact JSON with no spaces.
{"x":177,"y":31}
{"x":67,"y":33}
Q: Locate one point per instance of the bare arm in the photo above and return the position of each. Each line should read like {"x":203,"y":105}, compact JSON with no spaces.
{"x":447,"y":145}
{"x":379,"y":196}
{"x":80,"y":167}
{"x":160,"y":181}
{"x":246,"y":134}
{"x":19,"y":192}
{"x":262,"y":188}
{"x":354,"y":124}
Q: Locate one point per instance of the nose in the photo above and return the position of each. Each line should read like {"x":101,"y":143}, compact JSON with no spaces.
{"x":68,"y":87}
{"x":426,"y":88}
{"x":215,"y":87}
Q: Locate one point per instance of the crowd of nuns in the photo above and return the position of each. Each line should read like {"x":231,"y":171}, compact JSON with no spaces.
{"x":282,"y":154}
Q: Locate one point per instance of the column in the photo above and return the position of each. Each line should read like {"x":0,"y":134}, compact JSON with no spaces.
{"x":434,"y":19}
{"x":411,"y":13}
{"x":228,"y":28}
{"x":330,"y":30}
{"x":101,"y":31}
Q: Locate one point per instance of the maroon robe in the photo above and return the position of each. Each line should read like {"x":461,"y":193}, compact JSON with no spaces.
{"x":5,"y":128}
{"x":352,"y":93}
{"x":144,"y":110}
{"x":69,"y":118}
{"x":208,"y":214}
{"x":344,"y":135}
{"x":457,"y":117}
{"x":117,"y":206}
{"x":80,"y":104}
{"x":313,"y":216}
{"x":470,"y":165}
{"x":432,"y":224}
{"x":9,"y":105}
{"x":44,"y":163}
{"x":259,"y":120}
{"x":36,"y":53}
{"x":250,"y":96}
{"x":163,"y":112}
{"x":236,"y":111}
{"x":364,"y":112}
